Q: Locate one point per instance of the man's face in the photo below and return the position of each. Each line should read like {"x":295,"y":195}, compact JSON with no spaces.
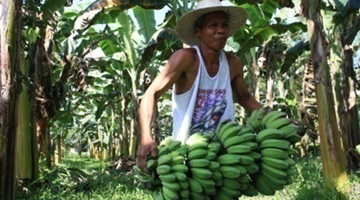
{"x":215,"y":30}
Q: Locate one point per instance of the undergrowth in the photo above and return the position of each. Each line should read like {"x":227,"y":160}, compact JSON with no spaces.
{"x":84,"y":178}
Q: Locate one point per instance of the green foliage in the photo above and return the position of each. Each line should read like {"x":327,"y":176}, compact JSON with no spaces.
{"x":82,"y":178}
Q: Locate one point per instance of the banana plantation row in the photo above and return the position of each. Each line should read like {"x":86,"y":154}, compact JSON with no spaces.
{"x":73,"y":74}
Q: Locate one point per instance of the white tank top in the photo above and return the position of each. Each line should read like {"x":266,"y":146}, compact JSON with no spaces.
{"x":208,"y":102}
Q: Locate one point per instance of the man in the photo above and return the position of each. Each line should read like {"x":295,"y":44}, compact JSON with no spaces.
{"x":205,"y":80}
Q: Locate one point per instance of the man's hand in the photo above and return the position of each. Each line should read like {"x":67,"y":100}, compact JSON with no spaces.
{"x":147,"y":146}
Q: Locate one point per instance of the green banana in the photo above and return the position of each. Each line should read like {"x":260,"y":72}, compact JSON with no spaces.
{"x":269,"y":133}
{"x":180,"y":176}
{"x":289,"y":180}
{"x":239,"y":139}
{"x":229,"y":132}
{"x":205,"y":182}
{"x":278,"y":123}
{"x":198,"y":145}
{"x":179,"y":168}
{"x":251,"y":168}
{"x":214,"y":166}
{"x":273,"y":180}
{"x":173,"y":186}
{"x":163,"y":169}
{"x":142,"y":175}
{"x":185,"y":193}
{"x":151,"y":164}
{"x":195,"y":195}
{"x":168,"y":177}
{"x":200,"y":162}
{"x":200,"y":172}
{"x":244,"y":180}
{"x":273,"y":171}
{"x":209,"y":135}
{"x":210,"y":190}
{"x":194,"y":138}
{"x":243,"y":187}
{"x":275,"y":143}
{"x":164,"y":159}
{"x":255,"y":155}
{"x":174,"y":145}
{"x":275,"y":162}
{"x":177,"y":160}
{"x":166,"y":141}
{"x":197,"y":153}
{"x":245,"y":129}
{"x":184,"y":184}
{"x":293,"y":138}
{"x":183,"y":150}
{"x":210,"y":156}
{"x":274,"y":153}
{"x":246,"y":160}
{"x":290,"y":161}
{"x":224,"y":127}
{"x":228,"y":159}
{"x":289,"y":129}
{"x":291,"y":151}
{"x":229,"y":171}
{"x":214,"y":147}
{"x":194,"y":186}
{"x":231,"y":192}
{"x":216,"y":175}
{"x":241,"y":169}
{"x":220,"y":125}
{"x":218,"y":182}
{"x":231,"y":183}
{"x":271,"y":116}
{"x":157,"y":194}
{"x":290,"y":171}
{"x":253,"y":145}
{"x":250,"y":191}
{"x":261,"y":186}
{"x":223,"y":196}
{"x":169,"y":194}
{"x":238,"y":149}
{"x":162,"y":150}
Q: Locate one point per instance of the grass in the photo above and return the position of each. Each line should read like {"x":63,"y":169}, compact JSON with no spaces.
{"x":85,"y":178}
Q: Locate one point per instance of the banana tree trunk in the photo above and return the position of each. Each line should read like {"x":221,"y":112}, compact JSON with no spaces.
{"x":135,"y":133}
{"x":333,"y":157}
{"x":10,"y":47}
{"x":349,"y":111}
{"x":26,"y":160}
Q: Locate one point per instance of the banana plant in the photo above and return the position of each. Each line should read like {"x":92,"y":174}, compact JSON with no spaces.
{"x":263,"y":24}
{"x":333,"y":157}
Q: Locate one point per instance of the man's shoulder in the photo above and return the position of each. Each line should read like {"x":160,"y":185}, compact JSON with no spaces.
{"x":186,"y":55}
{"x":187,"y":51}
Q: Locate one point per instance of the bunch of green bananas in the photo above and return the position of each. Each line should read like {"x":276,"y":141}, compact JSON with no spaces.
{"x":203,"y":176}
{"x":233,"y":161}
{"x":237,"y":158}
{"x":276,"y":162}
{"x":275,"y":133}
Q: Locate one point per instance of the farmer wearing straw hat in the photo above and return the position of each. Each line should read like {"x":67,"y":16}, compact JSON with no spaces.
{"x":204,"y":78}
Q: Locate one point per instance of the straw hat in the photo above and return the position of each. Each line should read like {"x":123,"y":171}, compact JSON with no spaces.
{"x":185,"y":25}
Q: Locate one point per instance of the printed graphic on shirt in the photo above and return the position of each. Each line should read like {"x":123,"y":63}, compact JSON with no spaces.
{"x":209,"y":107}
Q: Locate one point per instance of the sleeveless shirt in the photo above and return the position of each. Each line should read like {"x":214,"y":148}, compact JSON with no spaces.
{"x":207,"y":103}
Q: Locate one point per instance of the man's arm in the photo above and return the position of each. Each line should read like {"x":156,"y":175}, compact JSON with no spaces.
{"x":239,"y":86}
{"x":174,"y":69}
